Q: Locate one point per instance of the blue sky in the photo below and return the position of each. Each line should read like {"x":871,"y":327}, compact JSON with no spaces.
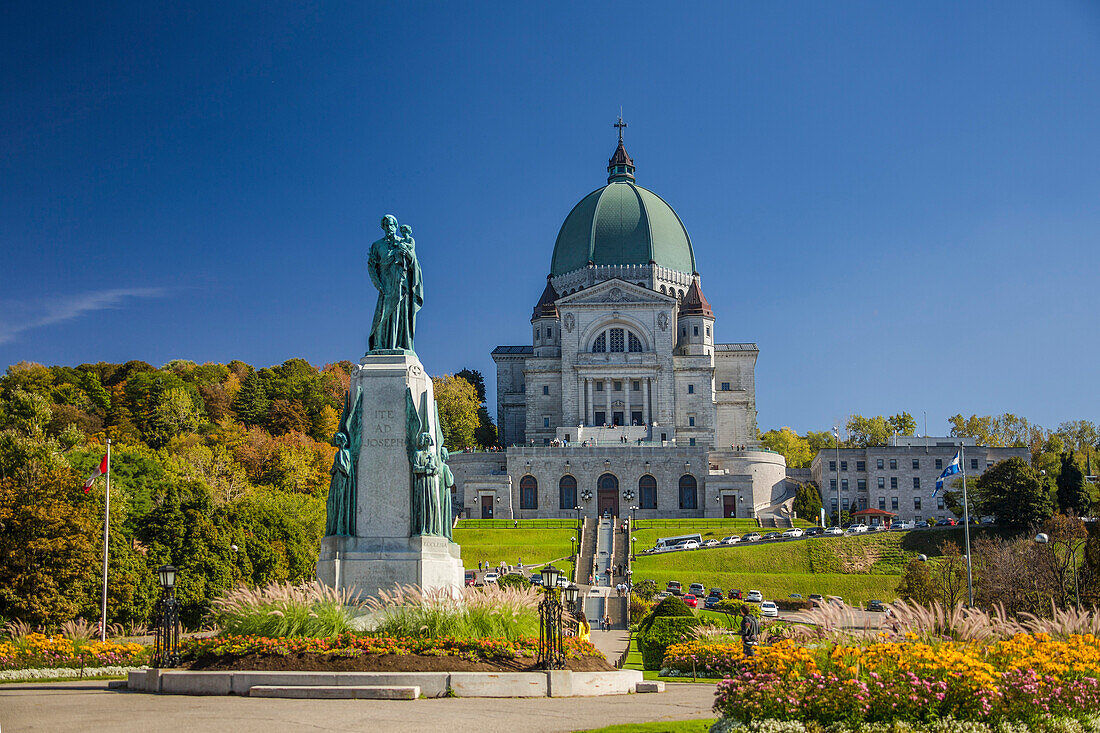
{"x":900,"y":203}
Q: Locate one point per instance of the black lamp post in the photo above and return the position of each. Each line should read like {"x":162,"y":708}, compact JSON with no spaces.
{"x":166,"y":647}
{"x":633,"y":555}
{"x":573,"y":547}
{"x":569,"y":595}
{"x":551,"y":651}
{"x":580,"y":524}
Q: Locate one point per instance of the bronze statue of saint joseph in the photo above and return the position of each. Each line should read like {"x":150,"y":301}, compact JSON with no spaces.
{"x":395,"y":271}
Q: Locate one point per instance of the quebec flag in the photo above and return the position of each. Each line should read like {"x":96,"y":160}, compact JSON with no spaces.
{"x":952,"y":468}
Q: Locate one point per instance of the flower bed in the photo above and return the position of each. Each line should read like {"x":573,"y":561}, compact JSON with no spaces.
{"x":337,"y":650}
{"x":1087,"y":724}
{"x":56,"y":673}
{"x":36,"y":650}
{"x":703,"y":658}
{"x":1025,"y":678}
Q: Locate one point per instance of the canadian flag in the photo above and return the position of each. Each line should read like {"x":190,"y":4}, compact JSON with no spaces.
{"x":99,"y":471}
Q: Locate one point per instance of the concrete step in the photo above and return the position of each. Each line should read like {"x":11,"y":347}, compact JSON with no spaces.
{"x":336,"y":692}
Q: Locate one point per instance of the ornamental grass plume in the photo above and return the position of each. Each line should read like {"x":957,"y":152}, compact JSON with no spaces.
{"x":78,"y":631}
{"x":1063,"y":623}
{"x":472,"y":613}
{"x":285,"y":609}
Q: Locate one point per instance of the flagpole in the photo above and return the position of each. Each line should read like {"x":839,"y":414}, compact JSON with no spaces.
{"x":106,"y":530}
{"x":966,"y":527}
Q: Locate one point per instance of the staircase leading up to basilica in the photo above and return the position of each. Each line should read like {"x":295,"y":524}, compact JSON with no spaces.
{"x":586,"y":552}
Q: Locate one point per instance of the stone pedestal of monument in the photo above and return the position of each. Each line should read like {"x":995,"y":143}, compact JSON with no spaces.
{"x":383,"y":551}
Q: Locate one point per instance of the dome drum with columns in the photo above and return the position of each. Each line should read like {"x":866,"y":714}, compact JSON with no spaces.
{"x":623,"y":385}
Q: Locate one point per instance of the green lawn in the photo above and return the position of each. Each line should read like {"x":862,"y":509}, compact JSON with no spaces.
{"x":855,"y":568}
{"x":531,"y":544}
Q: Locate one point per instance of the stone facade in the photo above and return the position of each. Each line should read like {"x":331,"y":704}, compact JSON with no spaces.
{"x":901,"y":478}
{"x":623,"y":386}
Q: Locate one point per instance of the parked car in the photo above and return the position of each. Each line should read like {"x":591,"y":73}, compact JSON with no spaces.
{"x":710,"y":543}
{"x":674,"y":588}
{"x":536,"y":578}
{"x":712,"y":601}
{"x":880,"y":527}
{"x":731,"y":540}
{"x":795,"y":596}
{"x":834,"y":531}
{"x":661,"y":596}
{"x":858,"y":528}
{"x":491,"y":577}
{"x":835,"y":600}
{"x":771,"y":536}
{"x":470,"y":577}
{"x":794,"y":532}
{"x":717,"y":592}
{"x":734,"y":593}
{"x":754,"y":596}
{"x":921,"y":525}
{"x":768,"y":608}
{"x":563,"y":582}
{"x":689,"y":545}
{"x":876,"y":606}
{"x":946,"y":523}
{"x":817,"y":599}
{"x":897,"y":525}
{"x":751,"y":537}
{"x":815,"y":532}
{"x":697,"y":589}
{"x":988,"y":520}
{"x":691,"y":600}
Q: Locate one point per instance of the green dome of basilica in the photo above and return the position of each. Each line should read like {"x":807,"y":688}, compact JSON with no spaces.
{"x":622,"y":224}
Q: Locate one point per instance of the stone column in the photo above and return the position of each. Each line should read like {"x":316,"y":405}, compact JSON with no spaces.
{"x":627,"y":384}
{"x":645,"y":401}
{"x":588,"y":403}
{"x":607,"y":394}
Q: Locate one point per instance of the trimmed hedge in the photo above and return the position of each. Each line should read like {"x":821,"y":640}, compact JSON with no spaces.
{"x":671,"y":607}
{"x":663,"y":633}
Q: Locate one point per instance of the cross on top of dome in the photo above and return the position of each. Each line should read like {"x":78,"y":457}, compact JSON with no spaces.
{"x":620,"y":167}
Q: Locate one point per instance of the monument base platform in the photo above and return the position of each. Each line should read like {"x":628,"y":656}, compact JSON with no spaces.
{"x":365,"y":565}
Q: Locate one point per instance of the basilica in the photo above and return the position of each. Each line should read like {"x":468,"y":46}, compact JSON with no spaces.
{"x":624,"y":400}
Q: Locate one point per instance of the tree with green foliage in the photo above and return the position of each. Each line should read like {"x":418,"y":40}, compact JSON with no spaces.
{"x":486,"y":433}
{"x":458,"y":408}
{"x":645,"y":589}
{"x":916,"y":585}
{"x":1012,"y":492}
{"x":474,"y":377}
{"x":1073,"y":492}
{"x":807,"y":502}
{"x":790,"y":445}
{"x":251,"y":404}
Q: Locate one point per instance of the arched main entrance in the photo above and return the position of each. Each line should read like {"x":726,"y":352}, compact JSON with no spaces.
{"x":607,"y":495}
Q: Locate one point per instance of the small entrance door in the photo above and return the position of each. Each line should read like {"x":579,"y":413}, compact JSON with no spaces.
{"x":487,"y":508}
{"x":636,"y":418}
{"x":618,"y":418}
{"x":600,"y":418}
{"x":608,"y":502}
{"x":729,"y":506}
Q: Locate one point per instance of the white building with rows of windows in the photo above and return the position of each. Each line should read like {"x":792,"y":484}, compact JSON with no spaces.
{"x":624,"y":398}
{"x":899,"y":478}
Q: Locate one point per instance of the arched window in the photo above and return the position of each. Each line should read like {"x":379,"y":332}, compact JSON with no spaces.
{"x":680,"y":295}
{"x":689,"y":498}
{"x":528,"y":493}
{"x":617,"y":340}
{"x":647,"y":492}
{"x":567,"y":492}
{"x":608,"y":481}
{"x":663,"y":291}
{"x":615,"y":336}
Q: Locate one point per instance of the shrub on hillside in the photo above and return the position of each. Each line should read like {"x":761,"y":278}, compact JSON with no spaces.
{"x":513,"y":580}
{"x":645,"y":589}
{"x":793,"y":604}
{"x":662,"y":633}
{"x":733,"y":606}
{"x":639,"y":607}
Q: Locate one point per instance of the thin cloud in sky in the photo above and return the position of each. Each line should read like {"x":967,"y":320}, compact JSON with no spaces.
{"x":17,"y":318}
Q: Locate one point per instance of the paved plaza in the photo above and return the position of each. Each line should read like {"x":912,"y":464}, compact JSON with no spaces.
{"x":72,"y":707}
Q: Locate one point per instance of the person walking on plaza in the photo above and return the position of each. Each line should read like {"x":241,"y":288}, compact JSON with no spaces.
{"x":750,"y":628}
{"x":607,"y":622}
